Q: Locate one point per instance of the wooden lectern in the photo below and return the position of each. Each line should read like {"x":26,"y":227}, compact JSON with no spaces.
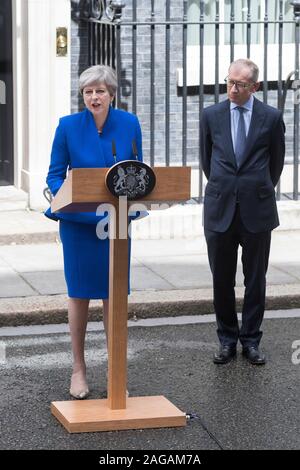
{"x":83,"y":190}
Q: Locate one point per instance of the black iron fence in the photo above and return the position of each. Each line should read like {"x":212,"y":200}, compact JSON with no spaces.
{"x":179,"y":39}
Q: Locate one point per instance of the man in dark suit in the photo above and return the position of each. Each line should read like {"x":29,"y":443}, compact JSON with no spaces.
{"x":242,"y":150}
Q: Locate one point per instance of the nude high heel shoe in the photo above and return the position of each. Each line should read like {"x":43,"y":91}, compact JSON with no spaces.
{"x":81,"y":395}
{"x":80,"y":389}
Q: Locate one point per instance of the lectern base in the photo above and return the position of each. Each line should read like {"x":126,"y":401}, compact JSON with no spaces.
{"x":95,"y":415}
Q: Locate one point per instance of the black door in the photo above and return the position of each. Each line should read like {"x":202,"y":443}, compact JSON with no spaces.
{"x":6,"y":94}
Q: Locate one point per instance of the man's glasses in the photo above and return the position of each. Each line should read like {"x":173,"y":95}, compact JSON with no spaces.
{"x":230,"y":83}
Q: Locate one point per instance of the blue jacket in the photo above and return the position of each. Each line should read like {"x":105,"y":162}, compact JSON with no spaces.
{"x":77,"y":144}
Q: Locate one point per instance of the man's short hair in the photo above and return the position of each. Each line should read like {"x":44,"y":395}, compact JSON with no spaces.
{"x":247,"y":63}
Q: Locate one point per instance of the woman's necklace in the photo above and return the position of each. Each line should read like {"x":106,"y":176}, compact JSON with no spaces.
{"x":100,"y":123}
{"x":100,"y":128}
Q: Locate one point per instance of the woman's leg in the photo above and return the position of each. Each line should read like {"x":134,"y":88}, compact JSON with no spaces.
{"x":78,"y":316}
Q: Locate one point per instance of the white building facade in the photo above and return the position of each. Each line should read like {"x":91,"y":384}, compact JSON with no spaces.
{"x":36,"y":83}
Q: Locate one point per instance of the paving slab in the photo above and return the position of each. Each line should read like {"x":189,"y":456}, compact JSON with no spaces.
{"x":142,"y":276}
{"x":186,"y":271}
{"x":46,"y":282}
{"x":11,"y":283}
{"x":35,"y":257}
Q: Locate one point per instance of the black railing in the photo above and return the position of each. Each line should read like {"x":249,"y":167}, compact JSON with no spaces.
{"x":170,"y":108}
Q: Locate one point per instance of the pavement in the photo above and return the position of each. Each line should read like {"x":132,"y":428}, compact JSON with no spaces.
{"x":169,"y":276}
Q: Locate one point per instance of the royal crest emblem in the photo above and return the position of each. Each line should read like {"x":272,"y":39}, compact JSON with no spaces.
{"x":130,"y":178}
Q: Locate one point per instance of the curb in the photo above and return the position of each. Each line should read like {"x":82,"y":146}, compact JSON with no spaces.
{"x":136,"y":310}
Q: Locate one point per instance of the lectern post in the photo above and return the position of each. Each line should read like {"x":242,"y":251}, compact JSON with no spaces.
{"x":118,"y":313}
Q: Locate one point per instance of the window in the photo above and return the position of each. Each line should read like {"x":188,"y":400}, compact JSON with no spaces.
{"x":240,"y":14}
{"x":238,"y":9}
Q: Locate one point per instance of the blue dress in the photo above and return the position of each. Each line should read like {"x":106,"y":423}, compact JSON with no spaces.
{"x":77,"y":144}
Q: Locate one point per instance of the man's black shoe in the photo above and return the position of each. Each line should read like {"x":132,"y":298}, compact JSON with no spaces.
{"x":254,"y":356}
{"x":225,"y":354}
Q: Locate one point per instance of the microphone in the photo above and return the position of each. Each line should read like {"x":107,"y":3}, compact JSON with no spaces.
{"x":114,"y":151}
{"x":134,"y":150}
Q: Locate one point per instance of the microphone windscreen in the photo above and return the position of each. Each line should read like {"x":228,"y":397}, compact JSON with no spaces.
{"x":134,"y":149}
{"x":113,"y":148}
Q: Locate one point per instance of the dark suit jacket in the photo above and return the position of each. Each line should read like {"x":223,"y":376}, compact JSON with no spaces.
{"x":252,"y":184}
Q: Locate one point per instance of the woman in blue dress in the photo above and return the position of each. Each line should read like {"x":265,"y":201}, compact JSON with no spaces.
{"x":85,"y":140}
